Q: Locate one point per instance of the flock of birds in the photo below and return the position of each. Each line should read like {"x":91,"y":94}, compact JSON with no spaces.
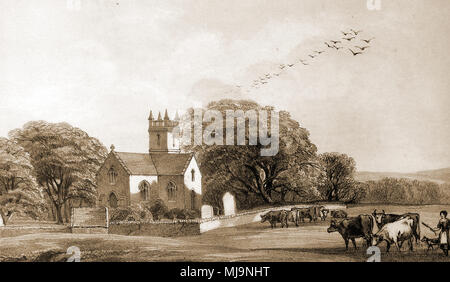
{"x":350,"y":41}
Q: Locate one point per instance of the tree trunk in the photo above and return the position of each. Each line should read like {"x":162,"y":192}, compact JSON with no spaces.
{"x":59,"y":216}
{"x":6,"y":217}
{"x":3,"y":219}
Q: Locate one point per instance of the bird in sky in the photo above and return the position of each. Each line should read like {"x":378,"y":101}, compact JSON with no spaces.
{"x":368,"y":40}
{"x":328,"y":45}
{"x":290,"y":65}
{"x":282,"y":66}
{"x":362,"y":48}
{"x":305,"y":63}
{"x":349,"y":38}
{"x":312,"y":56}
{"x":337,"y":47}
{"x":354,"y":53}
{"x":319,"y":52}
{"x":345,"y":33}
{"x":355,"y":31}
{"x":335,"y":41}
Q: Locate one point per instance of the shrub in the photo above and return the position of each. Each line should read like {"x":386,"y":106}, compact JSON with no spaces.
{"x":157,"y":207}
{"x":124,"y":214}
{"x":177,"y":213}
{"x":134,"y":212}
{"x":189,"y":214}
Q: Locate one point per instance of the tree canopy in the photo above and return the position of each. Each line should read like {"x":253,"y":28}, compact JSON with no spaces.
{"x":337,"y":182}
{"x":65,"y":160}
{"x":19,"y":192}
{"x":242,"y":169}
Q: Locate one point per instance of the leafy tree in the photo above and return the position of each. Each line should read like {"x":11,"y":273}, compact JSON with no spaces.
{"x":406,"y":191}
{"x":65,"y":160}
{"x":337,"y":179}
{"x":243,"y":170}
{"x":19,"y":193}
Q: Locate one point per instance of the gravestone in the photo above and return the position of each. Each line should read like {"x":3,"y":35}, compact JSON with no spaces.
{"x":1,"y":222}
{"x":229,"y":205}
{"x":207,"y":211}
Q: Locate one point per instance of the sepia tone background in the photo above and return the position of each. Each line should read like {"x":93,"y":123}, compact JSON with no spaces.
{"x":102,"y":67}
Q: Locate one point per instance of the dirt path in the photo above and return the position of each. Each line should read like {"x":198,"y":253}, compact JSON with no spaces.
{"x":252,"y":242}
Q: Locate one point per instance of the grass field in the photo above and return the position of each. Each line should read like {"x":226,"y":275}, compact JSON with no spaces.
{"x":252,"y":242}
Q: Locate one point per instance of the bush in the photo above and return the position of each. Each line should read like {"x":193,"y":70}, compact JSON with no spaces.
{"x":132,"y":213}
{"x":124,"y":214}
{"x":177,"y":213}
{"x":189,"y":214}
{"x":173,"y":213}
{"x":157,"y":207}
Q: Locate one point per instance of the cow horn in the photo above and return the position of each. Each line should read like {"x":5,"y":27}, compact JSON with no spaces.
{"x":383,"y":211}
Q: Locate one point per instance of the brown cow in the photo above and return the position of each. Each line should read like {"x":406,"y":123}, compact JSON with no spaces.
{"x":353,"y":227}
{"x":303,"y":213}
{"x":276,"y":216}
{"x":339,"y":214}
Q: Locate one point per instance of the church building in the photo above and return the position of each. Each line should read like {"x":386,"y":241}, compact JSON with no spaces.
{"x":164,"y":172}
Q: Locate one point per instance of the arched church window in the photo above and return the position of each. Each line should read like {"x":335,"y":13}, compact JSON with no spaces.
{"x":144,"y":188}
{"x":112,"y":175}
{"x":193,"y":199}
{"x":171,"y":191}
{"x":193,"y":175}
{"x":158,"y":141}
{"x":112,"y":200}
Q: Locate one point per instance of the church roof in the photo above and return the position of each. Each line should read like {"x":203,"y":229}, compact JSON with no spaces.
{"x":136,"y":163}
{"x":154,"y":164}
{"x":171,"y":164}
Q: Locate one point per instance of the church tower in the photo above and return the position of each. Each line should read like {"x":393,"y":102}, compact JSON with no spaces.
{"x":161,"y":134}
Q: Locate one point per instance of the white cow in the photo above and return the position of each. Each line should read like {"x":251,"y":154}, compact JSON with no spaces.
{"x":396,"y":233}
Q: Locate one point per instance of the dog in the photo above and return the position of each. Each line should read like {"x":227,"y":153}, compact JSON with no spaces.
{"x":430,"y":242}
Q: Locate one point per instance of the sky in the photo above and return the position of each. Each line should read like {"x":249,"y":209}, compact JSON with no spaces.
{"x":103,"y":65}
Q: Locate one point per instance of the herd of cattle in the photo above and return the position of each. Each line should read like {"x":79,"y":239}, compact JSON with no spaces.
{"x":374,"y":228}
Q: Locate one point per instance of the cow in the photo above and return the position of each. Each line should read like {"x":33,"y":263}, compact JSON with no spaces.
{"x":315,"y":212}
{"x":292,"y":216}
{"x":382,"y":218}
{"x":351,"y":228}
{"x":276,"y":216}
{"x":302,"y":213}
{"x":396,"y":233}
{"x":323,"y":213}
{"x":338,"y":214}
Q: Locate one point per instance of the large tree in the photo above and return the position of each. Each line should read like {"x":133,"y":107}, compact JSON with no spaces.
{"x":337,"y":182}
{"x":242,"y":168}
{"x":65,"y":160}
{"x":19,"y":192}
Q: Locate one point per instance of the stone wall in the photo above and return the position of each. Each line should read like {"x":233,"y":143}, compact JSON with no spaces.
{"x":250,"y":216}
{"x":155,"y":228}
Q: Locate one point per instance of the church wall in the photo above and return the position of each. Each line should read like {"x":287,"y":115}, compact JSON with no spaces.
{"x":163,"y":181}
{"x":195,"y":185}
{"x":121,"y":188}
{"x":135,"y":180}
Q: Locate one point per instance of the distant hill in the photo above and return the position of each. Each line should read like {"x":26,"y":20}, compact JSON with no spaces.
{"x":437,"y":175}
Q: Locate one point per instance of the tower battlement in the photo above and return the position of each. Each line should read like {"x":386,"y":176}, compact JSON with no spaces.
{"x":162,"y":139}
